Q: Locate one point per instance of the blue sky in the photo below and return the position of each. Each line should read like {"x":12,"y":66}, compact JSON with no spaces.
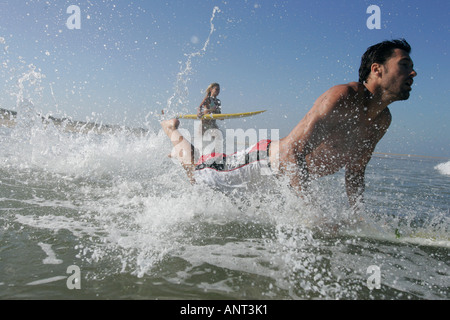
{"x":122,"y":64}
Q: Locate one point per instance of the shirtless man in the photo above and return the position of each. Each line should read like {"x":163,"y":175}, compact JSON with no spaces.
{"x":341,"y":130}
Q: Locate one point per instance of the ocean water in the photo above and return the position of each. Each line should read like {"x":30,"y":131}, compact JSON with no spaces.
{"x":110,"y":216}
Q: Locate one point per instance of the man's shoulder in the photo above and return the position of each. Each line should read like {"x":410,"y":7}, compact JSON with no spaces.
{"x":386,"y":117}
{"x":349,"y":89}
{"x":341,"y":95}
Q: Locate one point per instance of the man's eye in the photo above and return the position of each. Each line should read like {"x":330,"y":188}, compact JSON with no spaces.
{"x":406,"y":65}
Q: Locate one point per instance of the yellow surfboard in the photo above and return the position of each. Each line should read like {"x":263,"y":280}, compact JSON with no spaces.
{"x":220,"y":116}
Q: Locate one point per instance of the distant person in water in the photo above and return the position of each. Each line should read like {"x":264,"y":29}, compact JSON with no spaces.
{"x":210,"y":105}
{"x":341,"y":130}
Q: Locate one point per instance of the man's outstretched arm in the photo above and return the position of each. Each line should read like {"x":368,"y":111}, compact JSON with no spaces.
{"x":355,"y":171}
{"x":355,"y":185}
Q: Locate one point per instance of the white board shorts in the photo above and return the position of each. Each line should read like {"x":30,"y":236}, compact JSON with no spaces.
{"x":237,"y":171}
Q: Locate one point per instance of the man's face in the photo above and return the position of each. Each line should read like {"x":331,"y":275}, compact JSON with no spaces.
{"x":398,"y":75}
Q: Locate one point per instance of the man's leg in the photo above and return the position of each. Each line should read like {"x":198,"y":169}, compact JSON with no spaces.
{"x":183,"y":150}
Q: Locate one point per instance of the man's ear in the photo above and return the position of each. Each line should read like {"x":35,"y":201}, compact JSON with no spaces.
{"x":376,"y":69}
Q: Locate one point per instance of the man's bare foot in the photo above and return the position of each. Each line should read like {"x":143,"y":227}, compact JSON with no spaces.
{"x":170,"y":125}
{"x":183,"y":149}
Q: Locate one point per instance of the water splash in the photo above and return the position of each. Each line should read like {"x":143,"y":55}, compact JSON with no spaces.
{"x":444,"y":168}
{"x":181,"y":92}
{"x":31,"y":79}
{"x":119,"y":199}
{"x":130,"y":211}
{"x":27,"y":88}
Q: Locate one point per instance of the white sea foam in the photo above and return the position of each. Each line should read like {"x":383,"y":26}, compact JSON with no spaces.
{"x":132,"y":210}
{"x":47,"y":280}
{"x":444,"y":168}
{"x":51,"y":255}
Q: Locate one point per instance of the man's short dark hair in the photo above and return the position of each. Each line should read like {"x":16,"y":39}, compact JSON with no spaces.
{"x":379,"y":53}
